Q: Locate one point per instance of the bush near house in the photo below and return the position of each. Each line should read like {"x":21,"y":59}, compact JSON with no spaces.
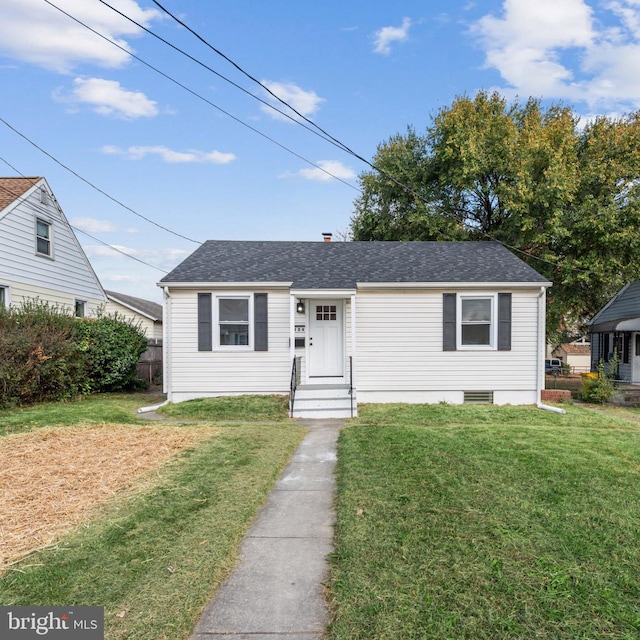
{"x":46,"y":354}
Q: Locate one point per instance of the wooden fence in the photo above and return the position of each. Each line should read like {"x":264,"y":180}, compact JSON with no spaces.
{"x":150,"y":363}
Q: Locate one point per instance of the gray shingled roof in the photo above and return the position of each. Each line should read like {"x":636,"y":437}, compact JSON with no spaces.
{"x":625,"y":305}
{"x":341,"y":265}
{"x":150,"y":309}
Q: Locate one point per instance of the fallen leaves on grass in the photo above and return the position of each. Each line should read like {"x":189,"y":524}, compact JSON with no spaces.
{"x":51,"y":479}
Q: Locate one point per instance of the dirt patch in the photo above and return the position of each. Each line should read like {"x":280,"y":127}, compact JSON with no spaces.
{"x":52,"y":479}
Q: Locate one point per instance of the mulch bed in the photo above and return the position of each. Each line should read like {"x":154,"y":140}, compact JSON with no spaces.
{"x":53,"y":479}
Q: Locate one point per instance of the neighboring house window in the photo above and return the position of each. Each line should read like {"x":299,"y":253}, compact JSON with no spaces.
{"x":80,"y":308}
{"x":43,"y":237}
{"x":3,"y":297}
{"x":233,"y":321}
{"x":476,"y":321}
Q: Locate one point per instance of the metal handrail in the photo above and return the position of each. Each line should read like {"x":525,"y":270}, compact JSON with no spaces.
{"x":295,"y":380}
{"x":351,"y":383}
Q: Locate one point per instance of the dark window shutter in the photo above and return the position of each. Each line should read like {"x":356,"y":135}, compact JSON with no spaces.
{"x":449,"y":322}
{"x":204,"y":322}
{"x":260,"y":322}
{"x":504,"y":322}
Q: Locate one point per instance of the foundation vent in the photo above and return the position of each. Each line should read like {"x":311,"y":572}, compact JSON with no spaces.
{"x":478,"y":397}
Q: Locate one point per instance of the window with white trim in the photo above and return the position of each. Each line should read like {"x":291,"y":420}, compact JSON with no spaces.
{"x":3,"y":297}
{"x":477,"y":326}
{"x":233,"y":317}
{"x":43,"y":237}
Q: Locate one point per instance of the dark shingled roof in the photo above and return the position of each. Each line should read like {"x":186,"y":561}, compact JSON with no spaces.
{"x":340,"y":265}
{"x":150,"y":309}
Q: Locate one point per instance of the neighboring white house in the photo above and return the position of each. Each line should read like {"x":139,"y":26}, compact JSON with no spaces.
{"x":328,"y":321}
{"x":615,"y":331}
{"x":40,"y":256}
{"x":146,"y":314}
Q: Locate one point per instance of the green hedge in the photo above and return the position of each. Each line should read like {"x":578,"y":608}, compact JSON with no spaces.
{"x":46,"y":354}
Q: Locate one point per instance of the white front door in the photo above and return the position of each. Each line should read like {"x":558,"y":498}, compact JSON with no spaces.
{"x":326,"y":339}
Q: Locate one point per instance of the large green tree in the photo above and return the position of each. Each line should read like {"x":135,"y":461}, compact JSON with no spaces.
{"x":564,"y":197}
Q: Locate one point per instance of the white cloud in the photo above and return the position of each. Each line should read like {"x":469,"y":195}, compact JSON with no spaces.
{"x":566,"y":49}
{"x":35,"y":32}
{"x":333,"y":167}
{"x":305,"y":102}
{"x":170,"y":156}
{"x":108,"y":98}
{"x":93,"y":225}
{"x":164,"y":258}
{"x":385,"y":37}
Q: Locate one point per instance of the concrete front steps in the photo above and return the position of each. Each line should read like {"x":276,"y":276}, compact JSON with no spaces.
{"x":319,"y":401}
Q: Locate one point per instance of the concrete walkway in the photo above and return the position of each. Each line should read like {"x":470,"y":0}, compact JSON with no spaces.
{"x":276,"y":591}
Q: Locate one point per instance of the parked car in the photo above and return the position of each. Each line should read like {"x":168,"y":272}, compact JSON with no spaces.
{"x":553,"y":366}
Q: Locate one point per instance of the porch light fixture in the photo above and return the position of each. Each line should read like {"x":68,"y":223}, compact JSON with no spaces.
{"x":300,"y":306}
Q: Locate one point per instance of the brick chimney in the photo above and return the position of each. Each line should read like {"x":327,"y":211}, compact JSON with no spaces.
{"x":327,"y":237}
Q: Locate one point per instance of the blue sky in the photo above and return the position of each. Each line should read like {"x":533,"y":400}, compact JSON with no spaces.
{"x":361,"y":70}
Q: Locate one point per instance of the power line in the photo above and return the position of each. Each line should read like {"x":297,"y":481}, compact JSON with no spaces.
{"x":43,"y":210}
{"x":196,"y":94}
{"x":218,"y":74}
{"x":325,"y":135}
{"x":93,"y":186}
{"x":407,"y":188}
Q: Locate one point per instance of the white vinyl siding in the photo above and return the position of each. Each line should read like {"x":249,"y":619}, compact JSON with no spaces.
{"x":223,"y":372}
{"x":21,"y":292}
{"x":399,"y":347}
{"x":61,"y":281}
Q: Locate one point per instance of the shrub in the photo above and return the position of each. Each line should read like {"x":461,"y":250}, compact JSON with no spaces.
{"x":601,"y":388}
{"x":112,"y":345}
{"x":46,"y":354}
{"x":40,"y":358}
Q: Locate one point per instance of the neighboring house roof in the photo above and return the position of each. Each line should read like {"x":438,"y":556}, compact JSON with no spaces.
{"x":13,"y":188}
{"x":576,"y":349}
{"x":151,"y":310}
{"x":341,"y":265}
{"x":621,"y":313}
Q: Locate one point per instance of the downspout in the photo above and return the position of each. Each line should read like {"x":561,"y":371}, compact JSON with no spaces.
{"x":166,"y":349}
{"x":541,"y":351}
{"x":166,"y":342}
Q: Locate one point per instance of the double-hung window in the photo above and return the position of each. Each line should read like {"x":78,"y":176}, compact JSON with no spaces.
{"x":43,"y":237}
{"x":3,"y":297}
{"x":79,"y":310}
{"x":234,"y":321}
{"x":477,"y":322}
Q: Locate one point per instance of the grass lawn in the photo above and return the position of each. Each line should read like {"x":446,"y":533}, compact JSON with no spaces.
{"x":154,"y":554}
{"x":486,"y":523}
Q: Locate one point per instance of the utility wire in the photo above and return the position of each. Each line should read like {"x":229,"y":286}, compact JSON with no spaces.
{"x":407,"y":188}
{"x":93,"y":186}
{"x":43,"y":211}
{"x":328,"y":137}
{"x":197,"y":95}
{"x":219,"y":75}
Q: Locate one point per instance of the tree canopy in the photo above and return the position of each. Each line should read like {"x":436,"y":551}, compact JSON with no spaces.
{"x":562,"y":196}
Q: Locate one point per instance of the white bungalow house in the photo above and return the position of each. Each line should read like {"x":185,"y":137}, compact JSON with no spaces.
{"x":40,"y":256}
{"x":337,"y":323}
